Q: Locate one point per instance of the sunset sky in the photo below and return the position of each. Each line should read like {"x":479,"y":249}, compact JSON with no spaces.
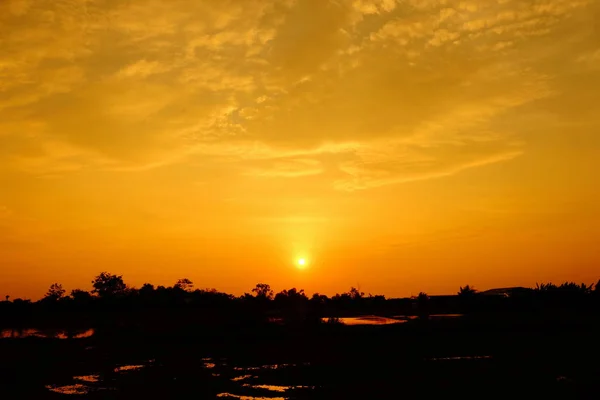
{"x":401,"y":146}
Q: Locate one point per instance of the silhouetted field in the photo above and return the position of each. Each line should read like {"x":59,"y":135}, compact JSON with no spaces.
{"x":174,"y":343}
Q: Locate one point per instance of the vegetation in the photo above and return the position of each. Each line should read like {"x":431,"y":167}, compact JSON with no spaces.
{"x":112,"y":299}
{"x":195,"y":343}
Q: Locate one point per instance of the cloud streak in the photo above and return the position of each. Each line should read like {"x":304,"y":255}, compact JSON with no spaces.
{"x":273,"y":87}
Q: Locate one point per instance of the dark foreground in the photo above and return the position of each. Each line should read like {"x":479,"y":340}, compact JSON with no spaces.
{"x":472,"y":357}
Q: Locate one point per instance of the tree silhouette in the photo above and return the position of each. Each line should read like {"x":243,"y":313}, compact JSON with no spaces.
{"x":467,"y":296}
{"x":292,"y":295}
{"x":80,"y":296}
{"x":55,"y":292}
{"x":263,"y":291}
{"x":467,"y":291}
{"x":423,"y":304}
{"x":318,"y":298}
{"x":108,"y":285}
{"x":545,"y":287}
{"x":184,"y":284}
{"x":568,"y":294}
{"x":422,"y":297}
{"x":146,"y":289}
{"x":7,"y":297}
{"x":292,"y":304}
{"x":355,"y":294}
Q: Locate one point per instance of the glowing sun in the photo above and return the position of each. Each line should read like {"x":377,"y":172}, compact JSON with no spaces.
{"x":301,"y":263}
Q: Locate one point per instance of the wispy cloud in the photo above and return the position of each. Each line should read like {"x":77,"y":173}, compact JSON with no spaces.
{"x":281,"y":84}
{"x":289,"y":168}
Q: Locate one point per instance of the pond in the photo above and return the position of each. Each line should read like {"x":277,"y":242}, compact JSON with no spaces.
{"x":378,"y":320}
{"x":368,"y":320}
{"x":246,"y":382}
{"x":228,"y":379}
{"x":45,"y":333}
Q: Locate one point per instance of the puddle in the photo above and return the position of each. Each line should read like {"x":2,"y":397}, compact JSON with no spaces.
{"x":368,"y":320}
{"x":246,"y":368}
{"x":272,"y":388}
{"x":125,"y":368}
{"x":76,"y":389}
{"x":45,"y":333}
{"x":405,"y":317}
{"x":80,"y":335}
{"x":277,"y":388}
{"x":236,"y":396}
{"x":241,"y":378}
{"x":269,"y":366}
{"x":87,"y":378}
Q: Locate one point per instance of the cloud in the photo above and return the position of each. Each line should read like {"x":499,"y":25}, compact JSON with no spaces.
{"x":590,"y":59}
{"x":364,"y":175}
{"x":384,"y":91}
{"x":142,"y":69}
{"x":287,"y":168}
{"x":374,"y":6}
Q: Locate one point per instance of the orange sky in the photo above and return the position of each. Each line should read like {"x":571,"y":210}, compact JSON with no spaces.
{"x":402,"y":146}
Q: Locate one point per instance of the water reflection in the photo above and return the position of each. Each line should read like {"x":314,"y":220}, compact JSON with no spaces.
{"x":276,"y":388}
{"x":256,"y":385}
{"x":78,"y":389}
{"x":405,"y":317}
{"x":91,"y":385}
{"x":368,"y":320}
{"x":272,"y":388}
{"x":235,"y":396}
{"x":88,"y":378}
{"x":45,"y":333}
{"x":124,"y":368}
{"x":431,"y":316}
{"x":446,"y":315}
{"x":269,"y":366}
{"x":242,"y":377}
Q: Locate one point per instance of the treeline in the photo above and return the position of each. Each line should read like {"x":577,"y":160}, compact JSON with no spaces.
{"x":111,"y":299}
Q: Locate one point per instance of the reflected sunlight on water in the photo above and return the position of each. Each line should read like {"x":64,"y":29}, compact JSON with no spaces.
{"x":125,"y":368}
{"x":446,"y":315}
{"x":88,"y":378}
{"x":85,"y":334}
{"x":272,"y":388}
{"x":235,"y":396}
{"x":45,"y":333}
{"x":242,"y":377}
{"x":256,"y":385}
{"x":69,"y":389}
{"x":276,"y":388}
{"x":431,"y":316}
{"x":368,"y":320}
{"x":267,"y":366}
{"x":254,"y":381}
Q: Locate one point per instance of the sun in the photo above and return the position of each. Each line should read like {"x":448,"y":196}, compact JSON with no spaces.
{"x":301,"y":263}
